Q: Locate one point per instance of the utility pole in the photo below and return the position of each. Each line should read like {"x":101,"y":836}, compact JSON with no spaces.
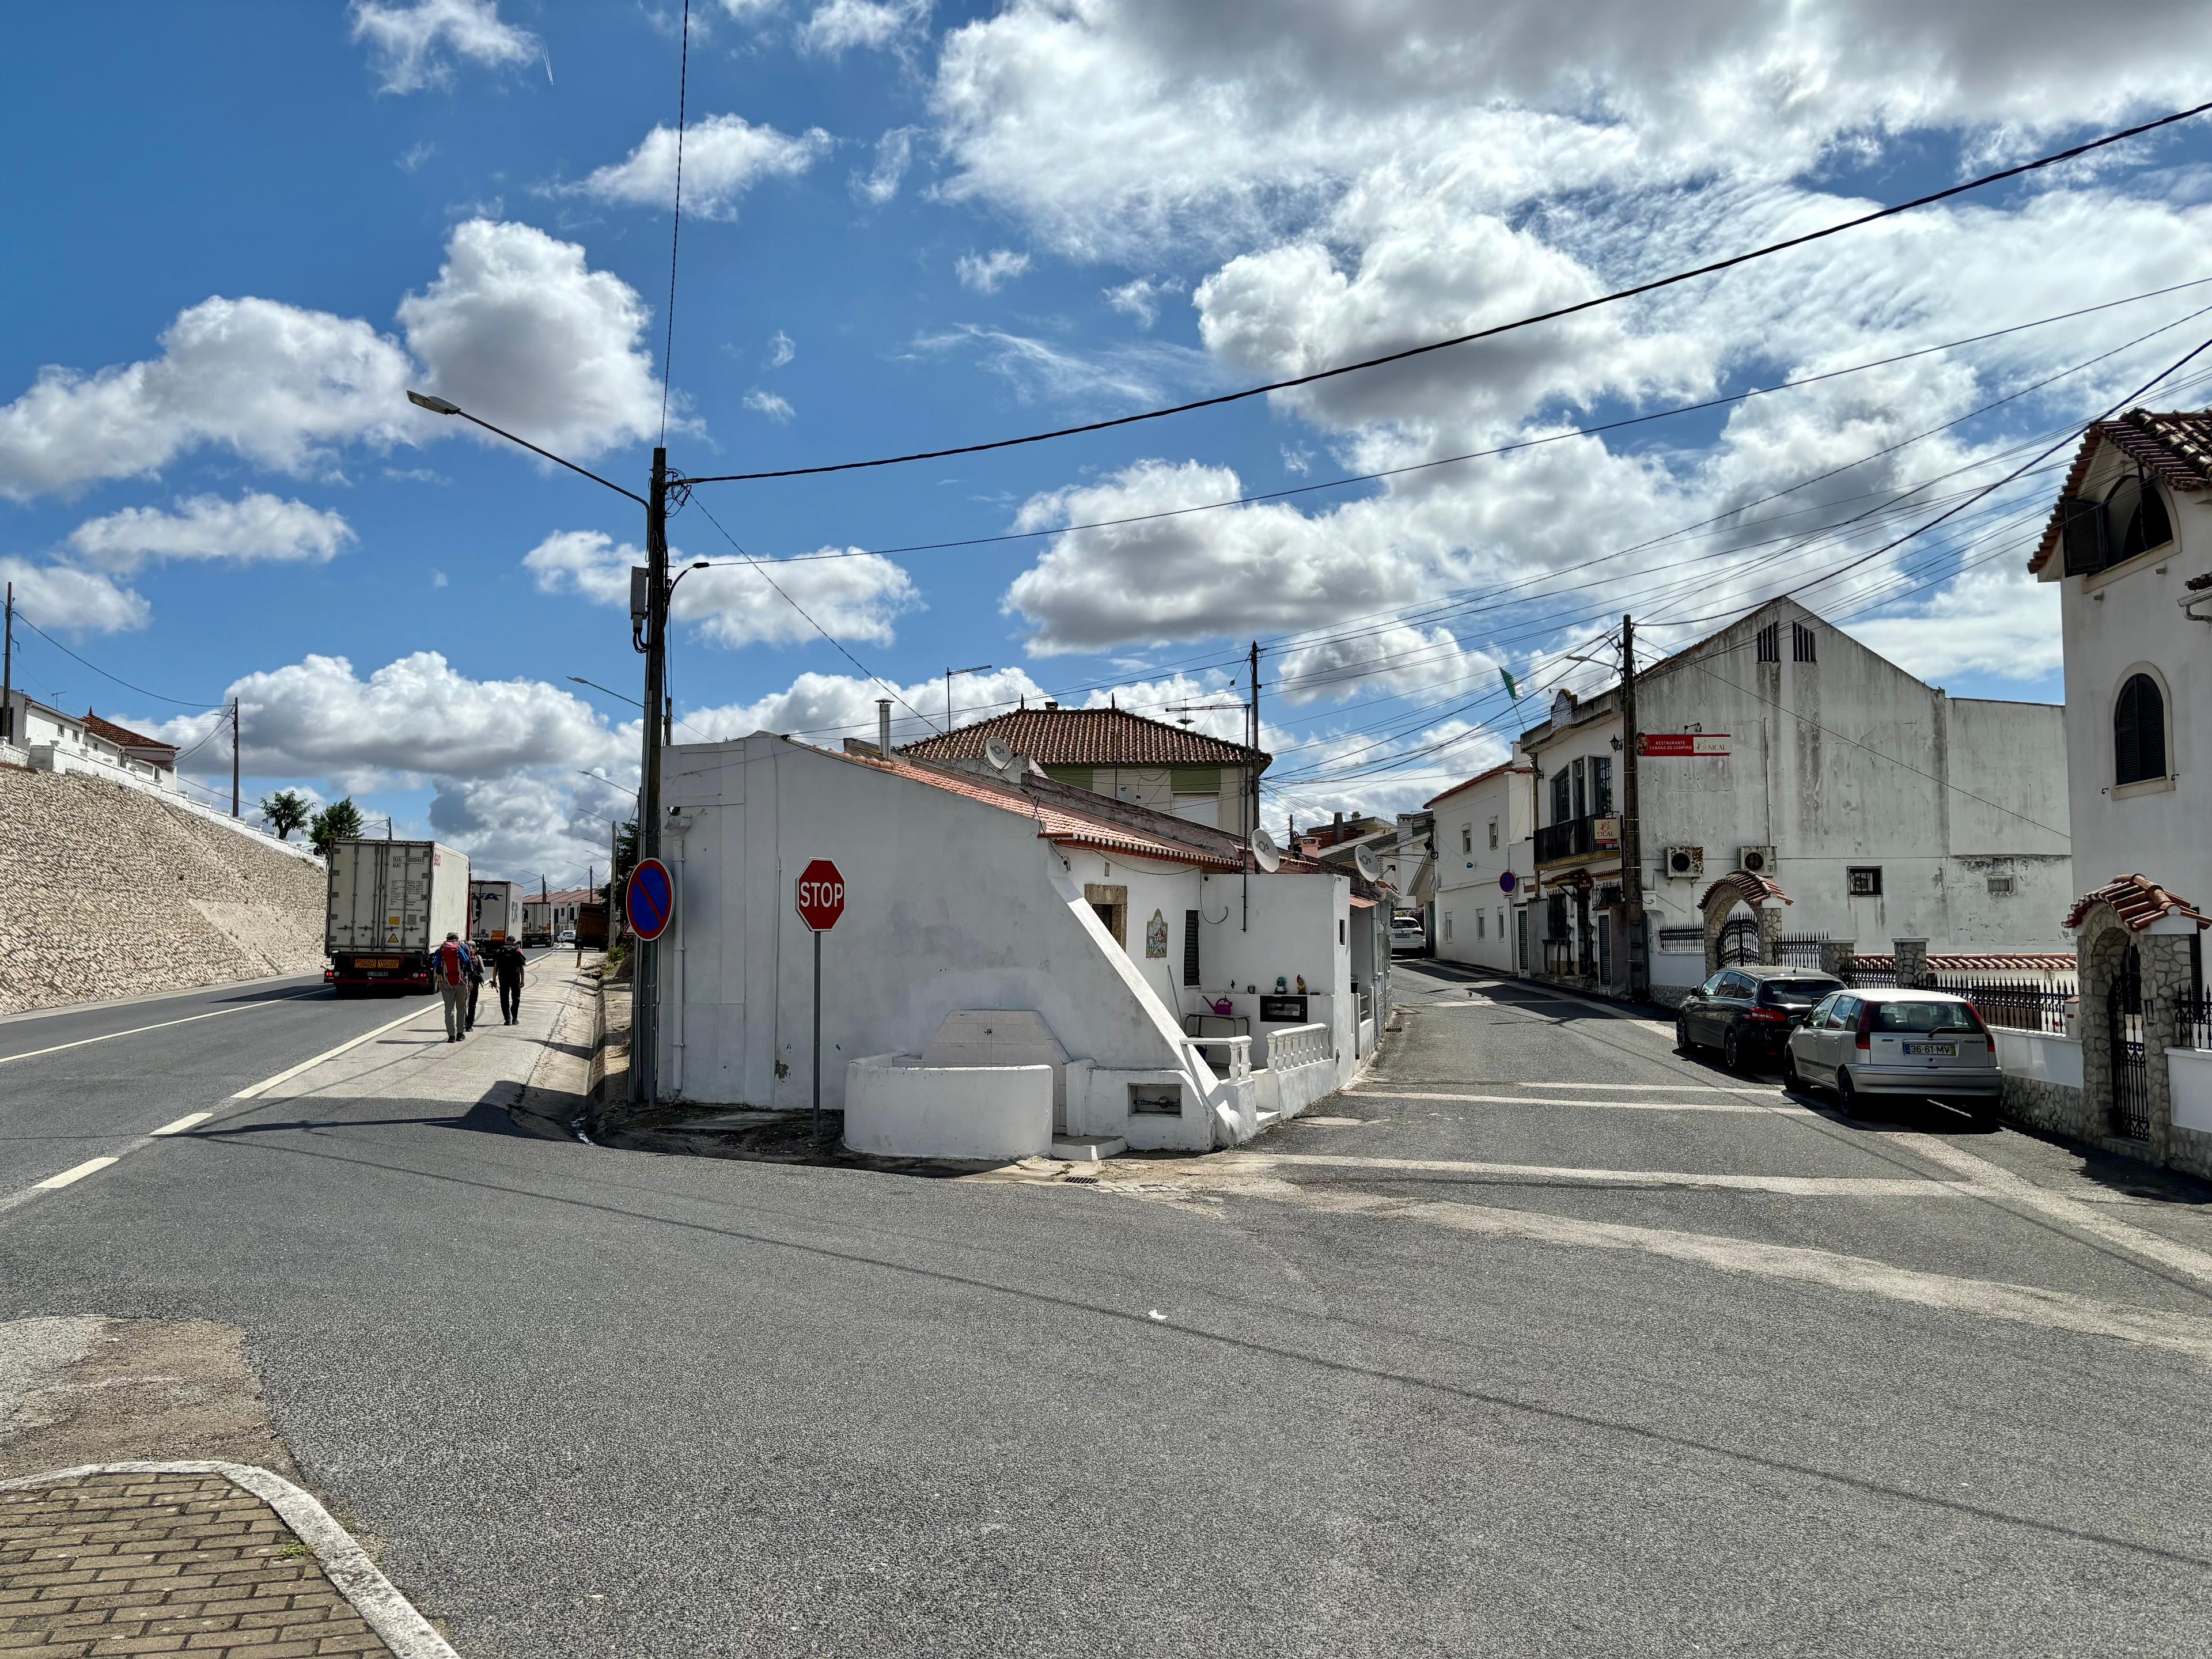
{"x":1632,"y":826}
{"x":7,"y":672}
{"x":645,"y":1016}
{"x":234,"y":757}
{"x":1251,"y":787}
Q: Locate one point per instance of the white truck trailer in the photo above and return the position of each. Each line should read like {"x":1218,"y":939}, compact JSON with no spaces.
{"x":496,"y":912}
{"x":391,"y":903}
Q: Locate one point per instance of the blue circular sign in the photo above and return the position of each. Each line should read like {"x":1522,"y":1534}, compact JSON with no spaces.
{"x":649,"y":899}
{"x":1507,"y":881}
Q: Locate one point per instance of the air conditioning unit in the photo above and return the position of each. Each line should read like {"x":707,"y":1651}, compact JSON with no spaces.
{"x":1755,"y":860}
{"x":1683,"y":863}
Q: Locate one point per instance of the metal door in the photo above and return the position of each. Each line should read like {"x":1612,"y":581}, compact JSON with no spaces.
{"x":2130,"y":1078}
{"x":1739,"y":940}
{"x":1605,"y":950}
{"x":1520,"y":936}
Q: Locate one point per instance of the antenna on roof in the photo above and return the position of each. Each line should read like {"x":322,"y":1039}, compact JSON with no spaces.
{"x":1367,"y":865}
{"x":999,"y":754}
{"x":1264,"y":852}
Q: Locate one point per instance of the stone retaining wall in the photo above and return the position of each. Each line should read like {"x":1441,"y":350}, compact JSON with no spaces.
{"x":110,"y":892}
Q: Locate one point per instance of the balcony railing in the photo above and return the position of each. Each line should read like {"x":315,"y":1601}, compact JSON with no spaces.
{"x":1595,"y":833}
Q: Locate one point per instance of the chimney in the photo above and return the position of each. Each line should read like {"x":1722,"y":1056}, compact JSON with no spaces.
{"x":1336,"y":830}
{"x":1052,"y":702}
{"x":884,"y":727}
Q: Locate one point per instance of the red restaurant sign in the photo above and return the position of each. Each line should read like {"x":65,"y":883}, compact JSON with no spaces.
{"x":1681,"y":744}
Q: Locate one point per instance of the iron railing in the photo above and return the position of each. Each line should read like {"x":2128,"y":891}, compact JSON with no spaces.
{"x":1874,"y":973}
{"x":1577,"y":836}
{"x":2013,"y":1007}
{"x":2193,"y":1016}
{"x":1801,"y":949}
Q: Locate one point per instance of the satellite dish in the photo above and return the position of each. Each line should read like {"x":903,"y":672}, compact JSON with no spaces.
{"x":1000,"y":753}
{"x":1368,"y":867}
{"x":1264,"y":852}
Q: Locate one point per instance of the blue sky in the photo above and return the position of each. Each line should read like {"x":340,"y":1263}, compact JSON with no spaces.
{"x":246,"y":230}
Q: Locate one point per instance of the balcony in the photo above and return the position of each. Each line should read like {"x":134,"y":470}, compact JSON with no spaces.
{"x":1581,"y":838}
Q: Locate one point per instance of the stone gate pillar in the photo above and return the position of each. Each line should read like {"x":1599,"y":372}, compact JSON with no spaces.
{"x":1912,"y":962}
{"x":2163,"y":951}
{"x":1836,"y":958}
{"x":1769,"y":935}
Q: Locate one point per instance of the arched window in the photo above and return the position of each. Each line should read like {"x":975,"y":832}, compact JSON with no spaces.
{"x":2139,"y":732}
{"x":2135,"y":520}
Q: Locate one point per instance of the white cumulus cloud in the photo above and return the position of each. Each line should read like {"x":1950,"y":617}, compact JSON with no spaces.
{"x":987,"y":273}
{"x":724,"y":156}
{"x":768,"y":403}
{"x":61,"y":596}
{"x":411,"y":43}
{"x":254,"y":527}
{"x":839,"y":25}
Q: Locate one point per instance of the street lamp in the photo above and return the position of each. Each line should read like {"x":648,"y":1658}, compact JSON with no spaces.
{"x":653,"y":643}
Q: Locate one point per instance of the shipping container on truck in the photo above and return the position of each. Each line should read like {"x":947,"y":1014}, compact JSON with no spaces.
{"x":494,"y":912}
{"x":391,"y":904}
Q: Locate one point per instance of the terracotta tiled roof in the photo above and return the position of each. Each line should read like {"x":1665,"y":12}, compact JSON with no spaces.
{"x":1479,"y":777}
{"x":2139,"y":900}
{"x":2175,"y":448}
{"x":1995,"y":961}
{"x":1748,"y":888}
{"x":1086,"y":737}
{"x":122,"y":736}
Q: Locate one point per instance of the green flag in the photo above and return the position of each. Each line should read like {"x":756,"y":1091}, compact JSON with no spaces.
{"x":1511,"y":690}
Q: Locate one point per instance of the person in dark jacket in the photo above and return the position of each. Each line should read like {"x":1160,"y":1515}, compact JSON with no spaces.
{"x":475,"y":983}
{"x":507,"y":965}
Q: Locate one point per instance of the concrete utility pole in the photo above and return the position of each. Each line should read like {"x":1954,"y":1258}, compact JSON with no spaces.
{"x":234,"y":757}
{"x":8,"y":671}
{"x":1631,"y":823}
{"x":645,"y":1022}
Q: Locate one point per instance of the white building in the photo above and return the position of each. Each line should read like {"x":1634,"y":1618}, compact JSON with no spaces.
{"x":50,"y":740}
{"x":554,"y":913}
{"x":1485,"y":867}
{"x":1880,"y":808}
{"x":1104,"y":932}
{"x":2130,"y":546}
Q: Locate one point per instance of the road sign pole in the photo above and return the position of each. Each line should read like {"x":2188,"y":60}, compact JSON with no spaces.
{"x":818,"y":1036}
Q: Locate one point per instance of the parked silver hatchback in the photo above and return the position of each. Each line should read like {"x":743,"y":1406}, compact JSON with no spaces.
{"x":1921,"y":1044}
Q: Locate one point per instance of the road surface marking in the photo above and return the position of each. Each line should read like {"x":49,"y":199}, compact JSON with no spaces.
{"x":1653,"y":1088}
{"x":1797,"y":1186}
{"x":69,"y":1178}
{"x":1743,"y":1106}
{"x":161,"y":1025}
{"x":285,"y":1076}
{"x":1998,"y":1182}
{"x":183,"y":1123}
{"x":2025,"y":1304}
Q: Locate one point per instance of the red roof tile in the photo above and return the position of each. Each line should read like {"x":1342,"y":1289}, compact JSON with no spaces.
{"x":1748,"y":888}
{"x":2176,"y":448}
{"x":122,"y":736}
{"x":2139,"y":900}
{"x":1086,"y":737}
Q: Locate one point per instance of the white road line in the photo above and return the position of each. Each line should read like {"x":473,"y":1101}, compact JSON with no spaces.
{"x":69,"y":1177}
{"x":161,"y":1025}
{"x":1743,"y":1106}
{"x":290,"y":1072}
{"x":1795,"y":1186}
{"x":1376,"y":1086}
{"x":183,"y":1123}
{"x":1997,"y":1181}
{"x":2025,"y":1304}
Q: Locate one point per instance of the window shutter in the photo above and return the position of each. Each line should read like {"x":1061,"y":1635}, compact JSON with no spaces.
{"x":2081,"y":527}
{"x":1190,"y":947}
{"x":2157,"y":527}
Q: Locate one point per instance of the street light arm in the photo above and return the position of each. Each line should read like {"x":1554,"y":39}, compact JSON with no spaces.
{"x":441,"y":406}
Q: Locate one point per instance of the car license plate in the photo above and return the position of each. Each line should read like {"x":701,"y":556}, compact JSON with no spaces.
{"x":1945,"y":1050}
{"x":376,"y":962}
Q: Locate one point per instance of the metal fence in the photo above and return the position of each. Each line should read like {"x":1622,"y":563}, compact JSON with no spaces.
{"x":2194,"y":1012}
{"x":2013,"y":1007}
{"x":1801,"y":949}
{"x":1862,"y":973}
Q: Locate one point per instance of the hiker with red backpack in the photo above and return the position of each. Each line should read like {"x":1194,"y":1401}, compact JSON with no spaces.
{"x":453,"y":969}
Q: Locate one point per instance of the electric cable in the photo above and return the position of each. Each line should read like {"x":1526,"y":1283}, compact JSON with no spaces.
{"x":1493,"y":331}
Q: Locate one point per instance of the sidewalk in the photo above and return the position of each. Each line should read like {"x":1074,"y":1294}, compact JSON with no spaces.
{"x":200,"y":1559}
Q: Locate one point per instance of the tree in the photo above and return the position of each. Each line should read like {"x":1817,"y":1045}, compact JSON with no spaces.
{"x":339,"y":821}
{"x":286,"y":811}
{"x":625,"y":858}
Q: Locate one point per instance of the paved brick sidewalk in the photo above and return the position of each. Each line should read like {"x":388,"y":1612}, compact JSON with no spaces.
{"x":161,"y":1563}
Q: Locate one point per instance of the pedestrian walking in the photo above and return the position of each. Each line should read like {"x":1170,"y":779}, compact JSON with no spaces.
{"x":451,"y":971}
{"x":508,"y":964}
{"x":476,"y":982}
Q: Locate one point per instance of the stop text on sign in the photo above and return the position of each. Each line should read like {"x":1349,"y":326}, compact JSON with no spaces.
{"x":820,"y":894}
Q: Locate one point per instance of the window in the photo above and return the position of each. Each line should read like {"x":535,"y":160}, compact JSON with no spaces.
{"x":1817,"y":1019}
{"x":1770,"y":642}
{"x":1600,"y":768}
{"x":1582,"y":790}
{"x":1865,"y":880}
{"x":1493,"y":835}
{"x":2139,"y":732}
{"x":1467,"y":838}
{"x":1480,"y":918}
{"x":1930,"y":1018}
{"x":2000,"y":886}
{"x":1801,"y":643}
{"x":1563,"y":801}
{"x":1190,"y":947}
{"x":1501,"y":923}
{"x":1448,"y":923}
{"x":2135,"y":520}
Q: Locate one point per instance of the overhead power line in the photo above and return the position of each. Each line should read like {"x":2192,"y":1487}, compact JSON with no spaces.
{"x":180,"y":703}
{"x":1491,"y":332}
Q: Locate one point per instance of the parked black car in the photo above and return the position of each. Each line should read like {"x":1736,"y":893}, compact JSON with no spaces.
{"x":1749,"y":1013}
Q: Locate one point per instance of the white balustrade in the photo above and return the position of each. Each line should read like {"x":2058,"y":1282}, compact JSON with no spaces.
{"x":1239,"y":1067}
{"x":1292,"y":1046}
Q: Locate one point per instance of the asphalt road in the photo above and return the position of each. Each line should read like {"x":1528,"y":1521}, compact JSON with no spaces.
{"x":1664,"y":1362}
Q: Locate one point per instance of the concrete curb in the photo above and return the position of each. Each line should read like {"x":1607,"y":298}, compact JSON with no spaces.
{"x":344,"y":1562}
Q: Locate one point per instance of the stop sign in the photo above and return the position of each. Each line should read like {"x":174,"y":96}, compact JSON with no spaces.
{"x":821,"y":896}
